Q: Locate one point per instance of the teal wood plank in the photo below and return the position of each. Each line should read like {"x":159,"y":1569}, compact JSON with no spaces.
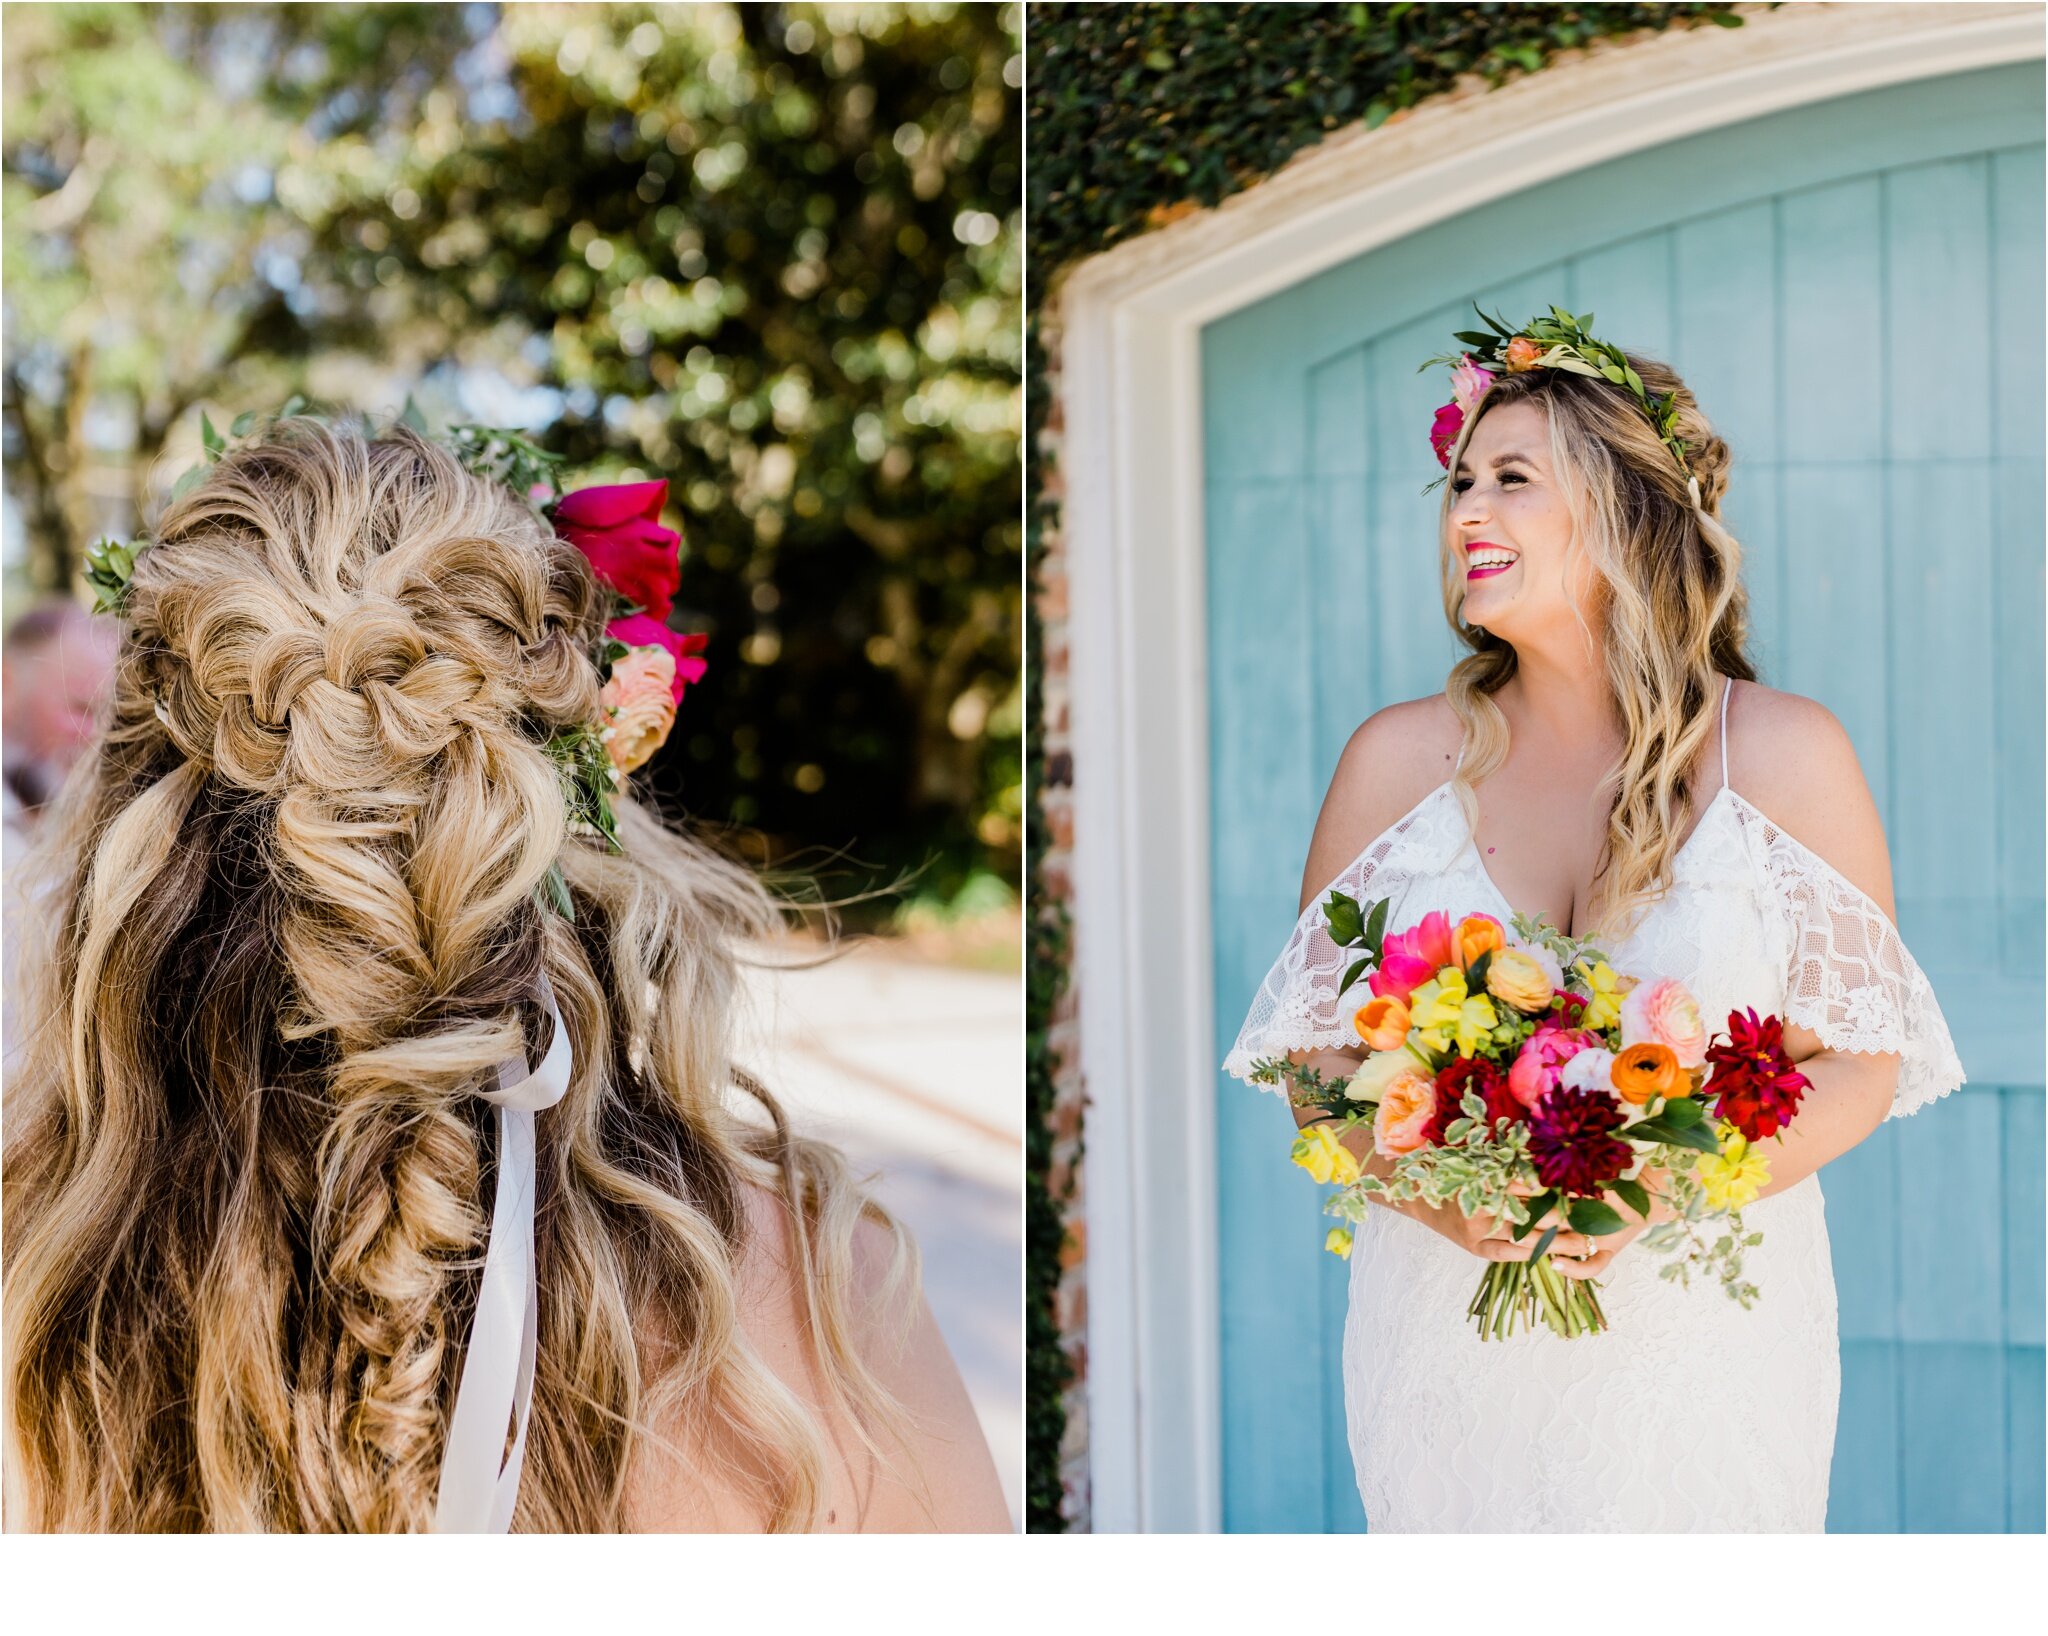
{"x":1837,"y":598}
{"x":2025,"y":1275}
{"x":1253,"y":414}
{"x":1951,"y":1262}
{"x":2019,"y":338}
{"x":1724,"y":319}
{"x":1832,"y":375}
{"x":1862,"y":1193}
{"x":1341,"y":559}
{"x":1944,"y":850}
{"x":1952,"y":1438}
{"x":1863,"y":1483}
{"x":2027,"y":1437}
{"x":1937,"y":262}
{"x":1626,"y":286}
{"x":2019,"y":304}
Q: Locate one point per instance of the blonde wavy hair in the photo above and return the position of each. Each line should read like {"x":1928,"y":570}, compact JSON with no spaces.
{"x":291,"y":922}
{"x":1669,"y":594}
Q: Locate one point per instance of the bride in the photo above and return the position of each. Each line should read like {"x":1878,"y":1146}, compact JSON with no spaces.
{"x":1604,"y":757}
{"x":375,"y":1113}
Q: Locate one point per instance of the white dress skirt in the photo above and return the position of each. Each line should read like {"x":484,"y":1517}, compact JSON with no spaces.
{"x":1689,"y":1413}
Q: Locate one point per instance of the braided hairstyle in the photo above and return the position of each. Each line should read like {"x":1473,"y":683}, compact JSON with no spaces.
{"x":292,"y":923}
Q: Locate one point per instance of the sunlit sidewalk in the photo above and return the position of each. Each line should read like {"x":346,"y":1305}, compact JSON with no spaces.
{"x":917,"y":1070}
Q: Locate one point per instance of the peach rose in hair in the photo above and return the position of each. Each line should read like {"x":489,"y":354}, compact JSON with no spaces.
{"x":639,"y":706}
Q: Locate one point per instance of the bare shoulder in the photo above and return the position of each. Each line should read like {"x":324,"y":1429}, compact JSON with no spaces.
{"x":1392,"y":760}
{"x":933,"y":1473}
{"x":1792,"y":760}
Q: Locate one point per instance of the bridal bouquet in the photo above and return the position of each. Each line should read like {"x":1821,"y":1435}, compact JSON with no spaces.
{"x":1513,"y":1072}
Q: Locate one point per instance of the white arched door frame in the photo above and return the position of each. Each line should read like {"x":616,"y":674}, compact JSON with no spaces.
{"x":1130,"y":322}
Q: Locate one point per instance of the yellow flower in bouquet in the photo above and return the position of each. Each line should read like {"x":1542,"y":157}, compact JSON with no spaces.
{"x":1516,"y":979}
{"x":1338,"y":1242}
{"x":1733,"y":1177}
{"x":1320,"y":1152}
{"x":1606,"y":989}
{"x":1441,"y":1010}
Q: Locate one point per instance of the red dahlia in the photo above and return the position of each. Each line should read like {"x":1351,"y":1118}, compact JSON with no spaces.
{"x":1572,"y":1141}
{"x":1464,"y":1074}
{"x":1758,"y":1087}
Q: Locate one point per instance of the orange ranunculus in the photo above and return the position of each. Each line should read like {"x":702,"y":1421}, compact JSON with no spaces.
{"x":1646,"y":1070}
{"x":1476,"y":935}
{"x":1522,"y":354}
{"x":1382,"y":1022}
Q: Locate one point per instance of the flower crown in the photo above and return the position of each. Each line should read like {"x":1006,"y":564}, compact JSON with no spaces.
{"x":1560,"y":341}
{"x":644,"y":665}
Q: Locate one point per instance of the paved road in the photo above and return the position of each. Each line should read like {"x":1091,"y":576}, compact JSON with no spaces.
{"x":917,"y":1070}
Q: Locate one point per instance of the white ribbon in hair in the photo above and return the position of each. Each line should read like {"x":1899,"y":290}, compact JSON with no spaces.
{"x":1692,"y":487}
{"x":479,"y":1475}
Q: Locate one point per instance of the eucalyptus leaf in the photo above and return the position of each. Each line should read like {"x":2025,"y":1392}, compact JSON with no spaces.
{"x":209,"y":438}
{"x":243,"y":424}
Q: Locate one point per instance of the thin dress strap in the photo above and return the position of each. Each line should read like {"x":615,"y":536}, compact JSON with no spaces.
{"x":1730,"y":688}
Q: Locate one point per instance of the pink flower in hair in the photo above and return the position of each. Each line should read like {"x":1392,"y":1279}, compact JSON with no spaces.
{"x":1469,"y":382}
{"x":1443,"y":431}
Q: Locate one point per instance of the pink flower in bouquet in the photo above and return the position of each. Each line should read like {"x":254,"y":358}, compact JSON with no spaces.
{"x":618,"y":527}
{"x":1432,"y":938}
{"x":1665,"y":1013}
{"x":1469,"y":382}
{"x":643,"y":631}
{"x":1539,"y":1065}
{"x":1443,"y":431}
{"x":1407,"y":1102}
{"x":1409,"y":959}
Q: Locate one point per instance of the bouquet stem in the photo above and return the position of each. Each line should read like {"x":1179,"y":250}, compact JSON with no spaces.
{"x":1514,"y":1293}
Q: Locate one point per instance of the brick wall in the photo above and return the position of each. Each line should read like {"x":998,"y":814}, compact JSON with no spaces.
{"x":1056,"y":813}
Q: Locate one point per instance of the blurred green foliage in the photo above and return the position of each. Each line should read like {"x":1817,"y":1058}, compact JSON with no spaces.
{"x":767,"y":252}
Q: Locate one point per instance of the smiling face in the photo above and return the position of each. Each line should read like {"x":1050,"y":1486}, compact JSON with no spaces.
{"x":1513,"y":529}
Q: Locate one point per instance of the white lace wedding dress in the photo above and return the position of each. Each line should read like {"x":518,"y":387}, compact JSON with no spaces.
{"x":1688,"y":1413}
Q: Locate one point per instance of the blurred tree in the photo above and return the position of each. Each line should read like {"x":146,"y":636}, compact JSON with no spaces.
{"x":768,"y":252}
{"x":147,"y":264}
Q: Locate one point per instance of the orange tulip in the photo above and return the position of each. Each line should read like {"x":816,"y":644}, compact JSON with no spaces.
{"x":1644,"y":1071}
{"x":1382,"y":1022}
{"x":1476,"y":934}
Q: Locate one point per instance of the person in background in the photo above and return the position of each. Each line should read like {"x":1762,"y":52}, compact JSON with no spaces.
{"x":55,"y":670}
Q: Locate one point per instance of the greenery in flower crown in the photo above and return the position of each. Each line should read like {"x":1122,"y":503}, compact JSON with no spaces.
{"x":1565,"y":342}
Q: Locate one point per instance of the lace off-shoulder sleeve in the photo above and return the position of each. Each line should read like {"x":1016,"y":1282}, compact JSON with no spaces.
{"x":1296,"y":1007}
{"x":1850,"y":978}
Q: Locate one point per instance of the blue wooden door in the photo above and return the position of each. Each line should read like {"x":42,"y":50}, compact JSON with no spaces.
{"x":1855,"y":291}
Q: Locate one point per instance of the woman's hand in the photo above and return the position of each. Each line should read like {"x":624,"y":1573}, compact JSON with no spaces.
{"x":1609,"y":1245}
{"x":1491,"y":1239}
